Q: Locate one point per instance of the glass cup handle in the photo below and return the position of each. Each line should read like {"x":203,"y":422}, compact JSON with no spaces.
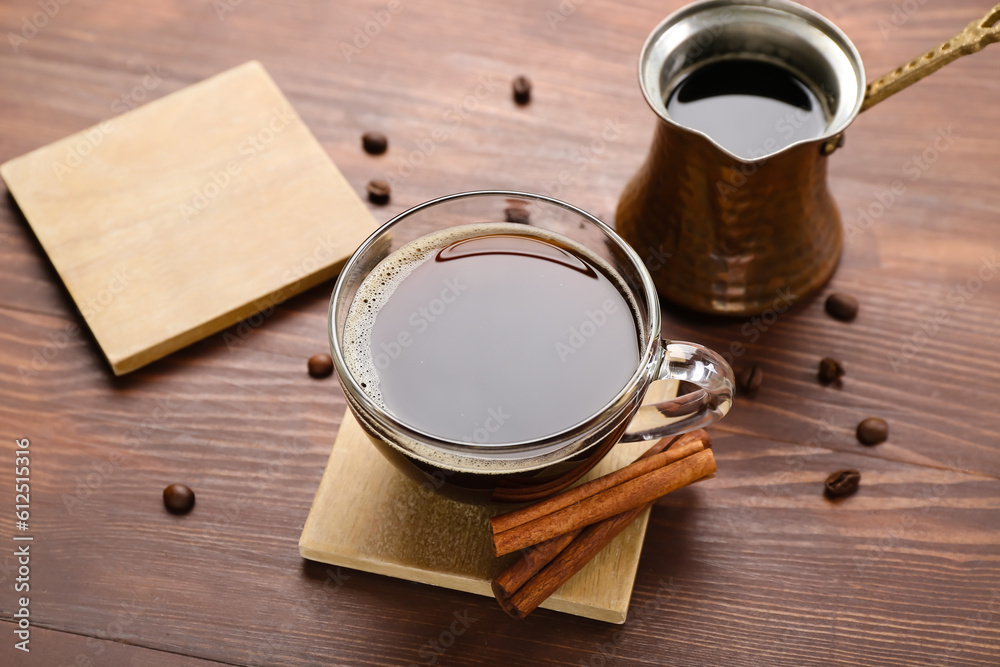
{"x":691,"y":363}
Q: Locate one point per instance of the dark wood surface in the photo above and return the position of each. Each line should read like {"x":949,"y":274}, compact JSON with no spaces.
{"x":753,"y":568}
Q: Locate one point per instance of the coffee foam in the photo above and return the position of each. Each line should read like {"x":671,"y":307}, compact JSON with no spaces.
{"x":379,"y":286}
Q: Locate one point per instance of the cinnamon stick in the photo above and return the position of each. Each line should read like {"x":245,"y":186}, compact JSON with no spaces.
{"x":681,"y":447}
{"x":629,"y":495}
{"x":533,"y":559}
{"x":568,"y":562}
{"x":586,"y":544}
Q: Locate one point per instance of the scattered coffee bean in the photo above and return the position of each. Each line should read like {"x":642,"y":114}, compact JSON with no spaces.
{"x":842,"y":483}
{"x":516,"y":214}
{"x":178,"y":499}
{"x":374,"y":143}
{"x":378,"y":191}
{"x":522,"y":89}
{"x":873,"y":431}
{"x":750,"y":379}
{"x":830,"y":370}
{"x":842,"y":306}
{"x":320,"y":365}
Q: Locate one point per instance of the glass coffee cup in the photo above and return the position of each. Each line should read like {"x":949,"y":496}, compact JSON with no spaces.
{"x":496,"y":345}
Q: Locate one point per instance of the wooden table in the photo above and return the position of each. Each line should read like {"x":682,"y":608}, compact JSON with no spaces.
{"x":753,"y":568}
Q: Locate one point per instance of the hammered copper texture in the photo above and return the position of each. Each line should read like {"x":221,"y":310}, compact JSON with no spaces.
{"x":720,"y":235}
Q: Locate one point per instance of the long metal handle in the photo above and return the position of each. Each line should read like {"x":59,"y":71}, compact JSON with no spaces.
{"x":973,"y":38}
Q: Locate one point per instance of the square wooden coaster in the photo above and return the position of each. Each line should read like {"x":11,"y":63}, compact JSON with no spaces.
{"x":368,"y":516}
{"x":179,"y":218}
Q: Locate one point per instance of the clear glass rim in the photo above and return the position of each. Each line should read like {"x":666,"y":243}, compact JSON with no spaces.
{"x":359,"y":398}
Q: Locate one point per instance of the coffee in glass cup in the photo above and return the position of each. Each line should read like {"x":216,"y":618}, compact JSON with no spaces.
{"x":491,"y":359}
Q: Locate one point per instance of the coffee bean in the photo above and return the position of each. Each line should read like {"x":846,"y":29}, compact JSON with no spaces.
{"x":178,"y":499}
{"x":750,"y":379}
{"x":830,"y":370}
{"x":378,"y":191}
{"x":873,"y":431}
{"x":842,"y":483}
{"x":374,"y":143}
{"x":516,"y":214}
{"x":320,"y":365}
{"x":842,"y":306}
{"x":522,"y":90}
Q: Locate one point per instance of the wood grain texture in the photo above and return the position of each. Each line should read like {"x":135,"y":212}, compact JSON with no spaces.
{"x":69,"y":650}
{"x":368,"y":516}
{"x":756,"y":569}
{"x":177,"y":219}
